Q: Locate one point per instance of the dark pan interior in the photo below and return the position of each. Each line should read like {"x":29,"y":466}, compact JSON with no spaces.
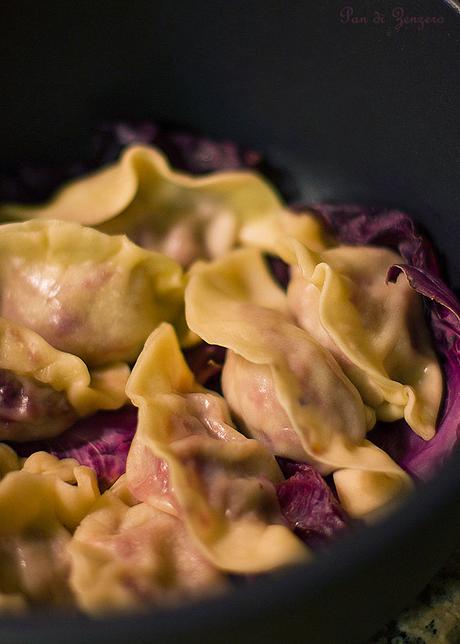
{"x":356,"y":112}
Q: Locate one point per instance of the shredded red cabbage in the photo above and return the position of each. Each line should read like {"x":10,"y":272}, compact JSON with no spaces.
{"x":279,"y":270}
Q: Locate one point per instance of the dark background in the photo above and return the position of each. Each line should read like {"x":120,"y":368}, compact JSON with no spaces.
{"x":358,"y":111}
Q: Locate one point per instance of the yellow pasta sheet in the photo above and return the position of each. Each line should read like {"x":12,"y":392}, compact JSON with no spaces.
{"x":93,"y":295}
{"x":302,"y":405}
{"x":185,"y":217}
{"x":25,"y":353}
{"x":127,"y":557}
{"x":189,"y":460}
{"x":376,"y":331}
{"x":42,"y":500}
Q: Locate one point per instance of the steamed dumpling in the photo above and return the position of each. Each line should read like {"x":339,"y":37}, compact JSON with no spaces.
{"x":185,"y":217}
{"x":34,"y":569}
{"x":41,"y":503}
{"x":188,"y":459}
{"x":30,"y":409}
{"x":45,"y":493}
{"x":89,"y":294}
{"x":288,"y":391}
{"x":128,"y":557}
{"x":43,"y":390}
{"x":235,"y":303}
{"x":376,"y":331}
{"x":366,"y":478}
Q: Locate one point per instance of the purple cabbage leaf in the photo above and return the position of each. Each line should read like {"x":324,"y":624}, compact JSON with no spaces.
{"x":309,"y":505}
{"x":100,"y":441}
{"x":416,"y":456}
{"x":357,"y":225}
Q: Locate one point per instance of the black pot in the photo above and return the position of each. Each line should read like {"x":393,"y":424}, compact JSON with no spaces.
{"x":359,"y":107}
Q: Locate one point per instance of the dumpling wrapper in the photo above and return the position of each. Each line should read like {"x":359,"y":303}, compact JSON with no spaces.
{"x":34,"y":570}
{"x":127,"y":556}
{"x":86,"y":293}
{"x":42,"y":500}
{"x":376,"y":331}
{"x":44,"y":494}
{"x":31,"y":409}
{"x":236,"y":300}
{"x":24,"y":353}
{"x":187,"y":459}
{"x":301,"y":396}
{"x":183,"y":216}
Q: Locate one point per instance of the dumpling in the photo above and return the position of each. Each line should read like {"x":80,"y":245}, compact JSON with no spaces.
{"x":128,"y":557}
{"x":236,"y":302}
{"x":44,"y":494}
{"x":40,"y":505}
{"x":9,"y":460}
{"x":30,"y":409}
{"x":183,"y":216}
{"x":288,"y":391}
{"x":86,"y":293}
{"x":34,"y":570}
{"x":266,"y":233}
{"x":376,"y":331}
{"x":43,"y":390}
{"x":188,"y":459}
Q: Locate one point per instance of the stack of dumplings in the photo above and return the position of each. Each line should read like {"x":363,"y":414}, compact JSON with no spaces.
{"x":103,"y":289}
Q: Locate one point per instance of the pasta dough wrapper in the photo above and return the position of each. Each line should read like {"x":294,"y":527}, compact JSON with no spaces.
{"x":375,"y":330}
{"x":40,"y":504}
{"x":301,"y":380}
{"x":93,"y":295}
{"x":45,"y":493}
{"x":188,"y":459}
{"x":127,"y":557}
{"x":25,"y":353}
{"x":183,"y":216}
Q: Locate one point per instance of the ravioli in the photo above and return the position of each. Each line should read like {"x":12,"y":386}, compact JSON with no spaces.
{"x":128,"y":556}
{"x":183,"y":216}
{"x":44,"y":494}
{"x":376,"y":331}
{"x":188,"y":459}
{"x":89,"y":294}
{"x":288,"y":391}
{"x":41,"y":503}
{"x":43,"y":390}
{"x":93,"y":285}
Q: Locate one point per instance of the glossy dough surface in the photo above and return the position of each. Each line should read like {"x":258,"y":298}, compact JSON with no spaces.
{"x":89,"y":294}
{"x":128,"y":557}
{"x":376,"y":331}
{"x":189,"y":460}
{"x":183,"y":216}
{"x":41,"y":502}
{"x":58,"y":378}
{"x":296,"y":373}
{"x":95,"y":308}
